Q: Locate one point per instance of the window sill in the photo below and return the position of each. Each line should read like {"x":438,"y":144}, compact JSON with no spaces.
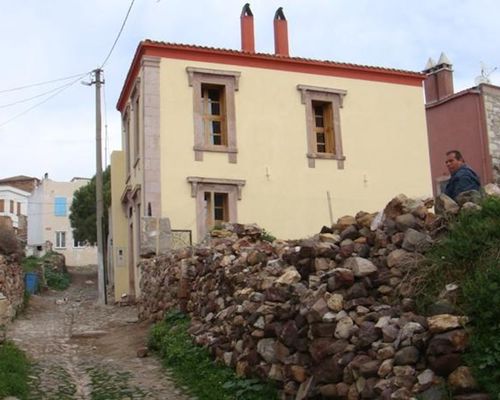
{"x":230,"y":151}
{"x":326,"y":156}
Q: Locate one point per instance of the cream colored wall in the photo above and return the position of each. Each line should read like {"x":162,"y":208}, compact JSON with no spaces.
{"x":383,"y":134}
{"x":50,"y":189}
{"x":119,"y":228}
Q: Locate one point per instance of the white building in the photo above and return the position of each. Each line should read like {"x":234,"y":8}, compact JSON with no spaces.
{"x":48,"y":221}
{"x":14,"y":205}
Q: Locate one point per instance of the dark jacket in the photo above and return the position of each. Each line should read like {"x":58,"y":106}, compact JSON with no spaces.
{"x":462,"y":180}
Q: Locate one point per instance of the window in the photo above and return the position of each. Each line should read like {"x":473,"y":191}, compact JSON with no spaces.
{"x":60,"y":240}
{"x":324,"y":140}
{"x":18,"y":208}
{"x":12,"y":206}
{"x":126,"y":139}
{"x":78,"y":244}
{"x":60,"y":206}
{"x":2,"y":205}
{"x":215,"y":201}
{"x":214,"y":115}
{"x":214,"y":111}
{"x":216,"y":208}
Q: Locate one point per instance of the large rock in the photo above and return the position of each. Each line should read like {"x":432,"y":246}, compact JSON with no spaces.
{"x":445,"y":322}
{"x":360,"y":266}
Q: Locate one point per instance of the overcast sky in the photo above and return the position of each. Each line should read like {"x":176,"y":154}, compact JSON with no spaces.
{"x":51,"y":39}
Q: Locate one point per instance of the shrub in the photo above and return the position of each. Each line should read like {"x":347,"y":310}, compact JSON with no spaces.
{"x":14,"y":370}
{"x":193,"y":367}
{"x":9,"y":245}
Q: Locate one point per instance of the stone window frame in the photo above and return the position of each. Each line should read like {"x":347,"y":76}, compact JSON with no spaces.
{"x":230,"y":81}
{"x":126,"y":119}
{"x":335,"y":97}
{"x":135,"y":106}
{"x":200,"y":185}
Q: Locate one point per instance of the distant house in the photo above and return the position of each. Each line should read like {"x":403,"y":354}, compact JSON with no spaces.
{"x":14,"y":208}
{"x":468,"y":121}
{"x":213,"y":135}
{"x":49,"y":225}
{"x":22,"y":182}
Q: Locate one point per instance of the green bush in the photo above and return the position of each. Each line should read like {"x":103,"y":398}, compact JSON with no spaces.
{"x":193,"y":367}
{"x":482,"y":303}
{"x":57,"y":280}
{"x":14,"y":370}
{"x":470,"y":256}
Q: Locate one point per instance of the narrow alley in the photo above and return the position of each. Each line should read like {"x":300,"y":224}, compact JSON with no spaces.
{"x":82,"y":350}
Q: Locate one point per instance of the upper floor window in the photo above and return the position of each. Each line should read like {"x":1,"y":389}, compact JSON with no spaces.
{"x":214,"y":111}
{"x":2,"y":205}
{"x":12,"y":206}
{"x":214,"y":115}
{"x":18,"y":208}
{"x":60,"y":207}
{"x":324,"y":140}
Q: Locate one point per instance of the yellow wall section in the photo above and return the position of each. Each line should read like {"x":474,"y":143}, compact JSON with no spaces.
{"x":121,"y":272}
{"x":383,"y":134}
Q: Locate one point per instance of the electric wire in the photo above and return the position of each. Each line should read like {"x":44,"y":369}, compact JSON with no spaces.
{"x":43,"y":101}
{"x":43,"y":83}
{"x":118,"y":36}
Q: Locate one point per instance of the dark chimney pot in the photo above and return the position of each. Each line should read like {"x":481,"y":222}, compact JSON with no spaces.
{"x":247,"y":31}
{"x":280,"y":33}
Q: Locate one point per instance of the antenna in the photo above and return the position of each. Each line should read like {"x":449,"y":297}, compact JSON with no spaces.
{"x":485,"y":74}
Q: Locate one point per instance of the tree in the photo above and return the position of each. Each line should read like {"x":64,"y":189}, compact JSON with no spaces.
{"x":83,"y":210}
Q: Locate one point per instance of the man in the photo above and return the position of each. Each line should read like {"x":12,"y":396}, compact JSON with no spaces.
{"x":462,"y":177}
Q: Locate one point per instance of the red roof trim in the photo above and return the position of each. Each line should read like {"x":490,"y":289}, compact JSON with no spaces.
{"x":267,"y":61}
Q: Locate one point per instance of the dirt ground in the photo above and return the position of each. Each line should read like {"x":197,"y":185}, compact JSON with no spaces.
{"x":83,"y":350}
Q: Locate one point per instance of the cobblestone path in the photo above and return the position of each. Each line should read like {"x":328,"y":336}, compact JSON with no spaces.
{"x":83,"y":350}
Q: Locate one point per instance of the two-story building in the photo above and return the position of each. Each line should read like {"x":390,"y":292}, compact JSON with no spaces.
{"x":213,"y":135}
{"x":49,"y":226}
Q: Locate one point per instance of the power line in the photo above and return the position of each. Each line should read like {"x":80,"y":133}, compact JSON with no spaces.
{"x":43,"y":83}
{"x":118,"y":36}
{"x":42,"y":102}
{"x":35,"y":97}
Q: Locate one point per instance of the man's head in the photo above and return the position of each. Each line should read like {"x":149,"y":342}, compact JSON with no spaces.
{"x":454,"y":160}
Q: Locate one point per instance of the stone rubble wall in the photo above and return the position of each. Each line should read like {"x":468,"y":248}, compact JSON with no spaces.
{"x":492,"y":108}
{"x":11,"y":289}
{"x":332,"y":316}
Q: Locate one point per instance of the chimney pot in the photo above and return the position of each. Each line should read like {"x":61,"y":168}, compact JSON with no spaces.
{"x":280,"y":33}
{"x":247,"y":31}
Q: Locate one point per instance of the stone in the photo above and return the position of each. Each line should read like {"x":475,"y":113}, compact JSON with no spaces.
{"x":470,"y":196}
{"x":267,"y":349}
{"x":446,"y":205}
{"x":360,"y":266}
{"x":328,"y":391}
{"x":492,"y":189}
{"x":445,"y":364}
{"x":405,"y":221}
{"x":426,"y":377}
{"x":461,"y":380}
{"x":344,"y":222}
{"x":298,"y":373}
{"x":142,"y":352}
{"x":385,"y":368}
{"x":416,"y":241}
{"x":350,"y":232}
{"x":445,"y":322}
{"x":335,"y":302}
{"x":289,"y":277}
{"x":344,"y":328}
{"x":369,"y":368}
{"x":407,"y":355}
{"x":397,"y":257}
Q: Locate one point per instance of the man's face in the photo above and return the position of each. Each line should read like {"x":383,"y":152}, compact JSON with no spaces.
{"x":452,"y":163}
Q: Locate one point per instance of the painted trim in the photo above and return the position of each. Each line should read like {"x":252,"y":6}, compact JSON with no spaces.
{"x":266,"y":61}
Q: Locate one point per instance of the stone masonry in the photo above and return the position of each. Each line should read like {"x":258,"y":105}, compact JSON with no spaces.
{"x":492,"y":110}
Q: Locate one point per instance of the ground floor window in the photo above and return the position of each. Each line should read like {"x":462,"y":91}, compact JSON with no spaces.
{"x":216,"y":200}
{"x":60,"y":240}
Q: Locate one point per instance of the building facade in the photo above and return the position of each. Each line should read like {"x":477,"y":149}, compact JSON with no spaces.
{"x":49,"y":225}
{"x":14,"y":209}
{"x":468,"y":121}
{"x":212,"y":135}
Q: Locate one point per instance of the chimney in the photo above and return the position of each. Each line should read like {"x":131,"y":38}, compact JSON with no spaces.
{"x":247,"y":34}
{"x":439,"y":81}
{"x":280,"y":34}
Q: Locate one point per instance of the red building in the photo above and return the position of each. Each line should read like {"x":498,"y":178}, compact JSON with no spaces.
{"x":468,"y":121}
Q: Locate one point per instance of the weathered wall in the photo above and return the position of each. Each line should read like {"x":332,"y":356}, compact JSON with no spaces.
{"x":330,"y":316}
{"x":11,"y":289}
{"x":492,"y":110}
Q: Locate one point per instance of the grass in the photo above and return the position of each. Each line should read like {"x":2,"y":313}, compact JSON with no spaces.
{"x":14,"y":371}
{"x":193,"y":367}
{"x":470,"y":256}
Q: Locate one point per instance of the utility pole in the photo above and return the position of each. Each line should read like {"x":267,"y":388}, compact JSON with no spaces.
{"x":101,"y":278}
